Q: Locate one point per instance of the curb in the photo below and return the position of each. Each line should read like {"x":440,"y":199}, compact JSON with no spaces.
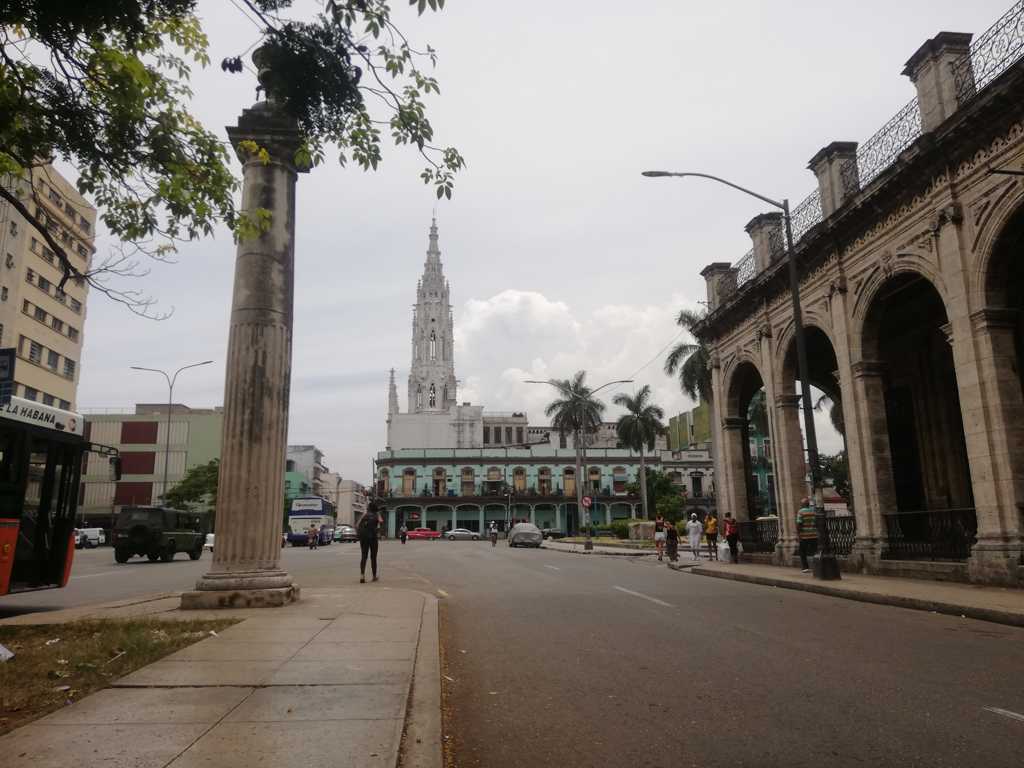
{"x":420,"y":746}
{"x":80,"y":612}
{"x":624,"y":553}
{"x":993,"y":615}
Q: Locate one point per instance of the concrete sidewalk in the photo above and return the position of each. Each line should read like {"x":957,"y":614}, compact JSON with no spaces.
{"x":996,"y":604}
{"x":334,"y":679}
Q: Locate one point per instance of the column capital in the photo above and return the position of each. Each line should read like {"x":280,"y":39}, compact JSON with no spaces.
{"x":787,"y":401}
{"x":991,"y":318}
{"x":272,"y":129}
{"x":863,"y":369}
{"x":734,"y":422}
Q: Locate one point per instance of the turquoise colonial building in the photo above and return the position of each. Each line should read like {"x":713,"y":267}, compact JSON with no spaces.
{"x":470,"y":488}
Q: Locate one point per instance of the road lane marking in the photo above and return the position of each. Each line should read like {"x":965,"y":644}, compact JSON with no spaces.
{"x":90,"y":575}
{"x":553,"y":567}
{"x":1005,"y":713}
{"x":644,"y":597}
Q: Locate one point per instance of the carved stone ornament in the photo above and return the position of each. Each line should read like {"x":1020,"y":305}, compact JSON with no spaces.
{"x":838,"y":285}
{"x":714,"y":361}
{"x":885,"y":261}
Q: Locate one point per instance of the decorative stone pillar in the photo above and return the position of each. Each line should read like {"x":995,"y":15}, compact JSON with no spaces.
{"x":732,"y":495}
{"x":998,"y":414}
{"x":790,"y":473}
{"x":246,"y":568}
{"x":875,"y":489}
{"x":721,"y":281}
{"x":935,"y":73}
{"x":835,"y":167}
{"x":765,"y":231}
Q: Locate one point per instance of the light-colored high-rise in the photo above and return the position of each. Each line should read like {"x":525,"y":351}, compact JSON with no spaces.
{"x":42,"y":322}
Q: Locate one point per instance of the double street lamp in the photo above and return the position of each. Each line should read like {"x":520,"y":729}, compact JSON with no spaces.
{"x":825,"y":564}
{"x":170,"y":404}
{"x":578,"y":430}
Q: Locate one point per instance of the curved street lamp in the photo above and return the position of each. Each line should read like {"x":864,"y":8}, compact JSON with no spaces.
{"x":170,"y":401}
{"x":826,"y":566}
{"x":588,"y":545}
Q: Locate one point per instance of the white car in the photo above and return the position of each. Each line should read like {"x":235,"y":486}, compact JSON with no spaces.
{"x":208,"y":544}
{"x":462,"y":533}
{"x":90,"y":537}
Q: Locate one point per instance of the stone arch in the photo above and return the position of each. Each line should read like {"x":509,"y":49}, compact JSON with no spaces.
{"x":736,"y":379}
{"x":741,"y":442}
{"x":914,"y":411}
{"x":1003,"y":218}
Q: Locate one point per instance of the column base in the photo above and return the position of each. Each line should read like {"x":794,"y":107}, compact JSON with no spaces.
{"x":865,"y":555}
{"x":241,"y":589}
{"x":997,"y":561}
{"x":785,"y":551}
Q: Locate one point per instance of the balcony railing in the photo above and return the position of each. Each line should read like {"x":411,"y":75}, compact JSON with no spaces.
{"x":480,"y":495}
{"x":940,"y":534}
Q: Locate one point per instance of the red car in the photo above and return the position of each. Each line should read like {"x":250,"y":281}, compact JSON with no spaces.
{"x":423,"y":533}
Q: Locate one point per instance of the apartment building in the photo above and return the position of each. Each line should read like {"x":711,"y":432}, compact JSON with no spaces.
{"x":43,"y":322}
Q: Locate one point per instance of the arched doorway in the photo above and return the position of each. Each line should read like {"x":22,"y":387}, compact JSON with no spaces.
{"x":747,"y":451}
{"x":928,"y":512}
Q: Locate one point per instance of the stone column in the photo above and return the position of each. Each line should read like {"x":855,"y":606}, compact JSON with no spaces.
{"x":732,"y":496}
{"x":997,"y":414}
{"x":246,"y":568}
{"x":791,"y":472}
{"x":558,"y":517}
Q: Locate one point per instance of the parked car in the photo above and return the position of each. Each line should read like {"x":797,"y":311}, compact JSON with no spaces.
{"x":462,"y":533}
{"x":525,"y":535}
{"x":208,"y":544}
{"x":345,"y":533}
{"x":552,"y":533}
{"x":159,"y":533}
{"x":88,"y":538}
{"x":423,"y":533}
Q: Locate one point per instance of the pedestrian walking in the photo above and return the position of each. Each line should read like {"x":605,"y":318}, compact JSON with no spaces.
{"x":732,"y":536}
{"x":494,"y":534}
{"x":659,"y":535}
{"x":672,"y":541}
{"x":313,"y":537}
{"x":403,"y":533}
{"x":807,"y":531}
{"x":694,"y":529}
{"x":711,"y":534}
{"x":368,"y":529}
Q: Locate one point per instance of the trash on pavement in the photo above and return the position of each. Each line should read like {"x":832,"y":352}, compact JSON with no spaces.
{"x":5,"y":654}
{"x":53,"y":641}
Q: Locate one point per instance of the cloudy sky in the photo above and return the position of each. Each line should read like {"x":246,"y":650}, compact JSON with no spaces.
{"x":560,"y":256}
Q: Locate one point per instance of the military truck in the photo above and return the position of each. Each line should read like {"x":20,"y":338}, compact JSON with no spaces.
{"x":159,"y":533}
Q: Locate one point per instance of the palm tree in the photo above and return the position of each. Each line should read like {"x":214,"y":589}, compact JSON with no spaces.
{"x":691,"y":359}
{"x":575,"y":411}
{"x":639,"y":428}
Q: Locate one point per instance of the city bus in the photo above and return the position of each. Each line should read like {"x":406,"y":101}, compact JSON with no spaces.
{"x":310,"y":510}
{"x":41,"y":453}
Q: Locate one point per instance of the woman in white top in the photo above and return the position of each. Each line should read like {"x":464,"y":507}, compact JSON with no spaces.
{"x":694,"y":529}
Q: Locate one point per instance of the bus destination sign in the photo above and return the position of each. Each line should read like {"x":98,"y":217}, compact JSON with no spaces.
{"x":37,"y":414}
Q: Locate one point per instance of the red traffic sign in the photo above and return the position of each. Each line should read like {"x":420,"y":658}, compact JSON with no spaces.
{"x":587,"y":501}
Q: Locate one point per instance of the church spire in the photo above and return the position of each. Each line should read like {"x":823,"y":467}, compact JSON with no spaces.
{"x":432,"y":384}
{"x":392,"y":395}
{"x":433,"y":252}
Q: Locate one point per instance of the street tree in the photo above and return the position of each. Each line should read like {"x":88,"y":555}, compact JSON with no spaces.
{"x":639,"y":428}
{"x":690,"y":359}
{"x":103,"y":85}
{"x":199,"y":486}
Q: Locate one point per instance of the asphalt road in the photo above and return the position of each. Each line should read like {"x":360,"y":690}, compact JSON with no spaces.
{"x":566,"y":660}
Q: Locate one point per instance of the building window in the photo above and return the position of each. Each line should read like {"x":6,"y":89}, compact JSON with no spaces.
{"x":433,"y":345}
{"x":43,"y":283}
{"x":58,"y":324}
{"x":14,"y":229}
{"x":76,"y":306}
{"x":561,"y":440}
{"x":83,"y":251}
{"x":697,"y":484}
{"x":30,"y":276}
{"x":497,"y":435}
{"x":34,"y":246}
{"x":767,"y":445}
{"x":508,"y":434}
{"x":69,"y":368}
{"x":72,"y":333}
{"x":35,"y":352}
{"x":487,"y":435}
{"x":85,"y":225}
{"x":60,"y":296}
{"x":52,"y":359}
{"x":26,"y":307}
{"x":65,"y":405}
{"x":48,"y":399}
{"x":40,"y":314}
{"x":519,"y":435}
{"x":753,"y":448}
{"x":10,"y":260}
{"x":3,"y":293}
{"x":30,"y":393}
{"x":432,"y":398}
{"x":757,"y":482}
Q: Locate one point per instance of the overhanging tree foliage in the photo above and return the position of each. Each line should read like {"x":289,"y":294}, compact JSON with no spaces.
{"x":103,"y":86}
{"x":198,"y":485}
{"x":690,"y":359}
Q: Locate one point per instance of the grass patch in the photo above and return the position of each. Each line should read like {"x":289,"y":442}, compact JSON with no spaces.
{"x":610,"y":541}
{"x":57,"y":664}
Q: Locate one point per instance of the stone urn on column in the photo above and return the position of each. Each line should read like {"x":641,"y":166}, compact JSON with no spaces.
{"x":246,"y":570}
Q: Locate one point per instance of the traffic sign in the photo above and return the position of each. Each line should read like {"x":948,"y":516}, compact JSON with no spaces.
{"x":587,"y":501}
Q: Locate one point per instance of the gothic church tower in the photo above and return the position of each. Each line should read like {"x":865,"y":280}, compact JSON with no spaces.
{"x":432,"y":373}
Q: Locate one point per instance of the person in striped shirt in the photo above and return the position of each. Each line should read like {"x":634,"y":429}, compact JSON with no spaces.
{"x":807,"y":531}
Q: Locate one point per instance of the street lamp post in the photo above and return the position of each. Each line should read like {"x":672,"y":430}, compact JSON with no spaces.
{"x":170,"y":404}
{"x":578,"y":430}
{"x":825,"y":564}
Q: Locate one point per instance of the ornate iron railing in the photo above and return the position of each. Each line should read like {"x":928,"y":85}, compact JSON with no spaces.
{"x":842,"y":533}
{"x":849,"y":177}
{"x":759,"y":535}
{"x":745,"y":268}
{"x":881,"y":150}
{"x":991,"y":54}
{"x":806,"y":215}
{"x":941,"y":534}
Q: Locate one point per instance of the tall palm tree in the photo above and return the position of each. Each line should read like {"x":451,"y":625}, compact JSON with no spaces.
{"x":639,"y":428}
{"x":575,"y":411}
{"x":691,"y":359}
